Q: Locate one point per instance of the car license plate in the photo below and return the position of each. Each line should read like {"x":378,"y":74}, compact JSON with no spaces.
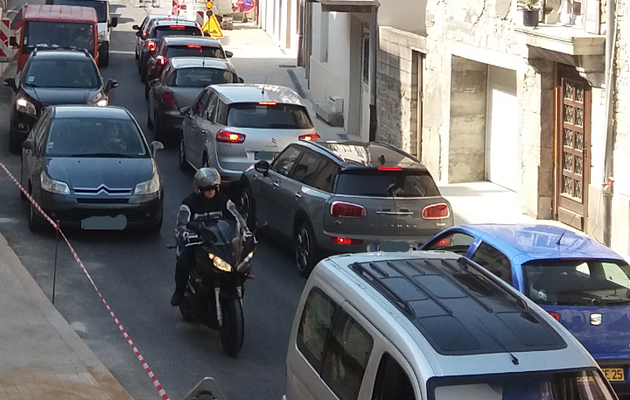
{"x":263,"y":155}
{"x":389,"y":246}
{"x":104,"y":223}
{"x":614,"y":374}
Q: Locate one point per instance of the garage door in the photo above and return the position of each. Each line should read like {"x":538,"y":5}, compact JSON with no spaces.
{"x":502,"y":160}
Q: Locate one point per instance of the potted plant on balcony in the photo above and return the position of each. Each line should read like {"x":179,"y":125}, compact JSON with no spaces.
{"x":530,"y":13}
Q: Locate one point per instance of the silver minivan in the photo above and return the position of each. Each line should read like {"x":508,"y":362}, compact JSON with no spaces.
{"x":429,"y":325}
{"x":230,"y":125}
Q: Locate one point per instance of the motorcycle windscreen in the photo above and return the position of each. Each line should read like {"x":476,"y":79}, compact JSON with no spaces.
{"x":219,"y":236}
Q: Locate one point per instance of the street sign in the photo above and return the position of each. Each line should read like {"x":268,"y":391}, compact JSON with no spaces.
{"x":212,"y":27}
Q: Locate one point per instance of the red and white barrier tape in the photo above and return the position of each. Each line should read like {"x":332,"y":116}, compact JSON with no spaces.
{"x":146,"y":367}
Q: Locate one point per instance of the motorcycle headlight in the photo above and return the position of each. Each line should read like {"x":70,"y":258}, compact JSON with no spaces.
{"x":219,"y":263}
{"x":149,"y":187}
{"x":53,"y":186}
{"x":25,"y":106}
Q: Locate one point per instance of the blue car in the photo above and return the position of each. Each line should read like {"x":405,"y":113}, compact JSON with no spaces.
{"x":580,"y":282}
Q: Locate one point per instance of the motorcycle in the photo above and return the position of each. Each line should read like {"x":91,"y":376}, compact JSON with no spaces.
{"x":214,"y":294}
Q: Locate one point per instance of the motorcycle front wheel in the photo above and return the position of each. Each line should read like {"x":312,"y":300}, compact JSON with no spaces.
{"x":233,"y":328}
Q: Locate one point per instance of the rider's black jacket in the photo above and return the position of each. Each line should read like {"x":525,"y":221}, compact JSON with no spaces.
{"x":197,"y":206}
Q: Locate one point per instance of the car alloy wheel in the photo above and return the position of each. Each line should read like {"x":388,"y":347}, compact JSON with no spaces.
{"x":305,"y":249}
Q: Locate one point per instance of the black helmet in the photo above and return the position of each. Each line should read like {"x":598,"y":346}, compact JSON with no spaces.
{"x":206,"y":178}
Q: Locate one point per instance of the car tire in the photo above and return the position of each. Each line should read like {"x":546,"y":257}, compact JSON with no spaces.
{"x":14,"y":144}
{"x":305,"y":249}
{"x":246,"y":205}
{"x":103,"y":60}
{"x":160,"y":132}
{"x":183,"y":164}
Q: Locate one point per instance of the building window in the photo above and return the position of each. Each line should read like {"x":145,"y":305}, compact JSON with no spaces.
{"x":366,"y":57}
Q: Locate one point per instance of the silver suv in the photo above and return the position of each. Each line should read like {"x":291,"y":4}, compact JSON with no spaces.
{"x":344,"y":197}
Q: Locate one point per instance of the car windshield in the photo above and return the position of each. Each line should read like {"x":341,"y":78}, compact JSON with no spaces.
{"x":269,"y":116}
{"x":193,"y":50}
{"x":586,"y":384}
{"x":577,"y":282}
{"x":95,"y":137}
{"x":62,"y":34}
{"x":176,"y":30}
{"x":376,"y":183}
{"x":99,"y":6}
{"x":200,"y":77}
{"x":62,"y":73}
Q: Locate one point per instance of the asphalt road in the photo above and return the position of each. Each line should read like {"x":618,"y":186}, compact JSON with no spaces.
{"x":135,"y":273}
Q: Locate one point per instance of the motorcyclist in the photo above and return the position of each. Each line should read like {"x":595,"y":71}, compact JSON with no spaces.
{"x":206,"y":201}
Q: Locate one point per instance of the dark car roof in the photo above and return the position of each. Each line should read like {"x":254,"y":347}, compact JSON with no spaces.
{"x":199,"y":62}
{"x":351,"y":154}
{"x":57,"y":53}
{"x":177,"y":21}
{"x":459,"y":307}
{"x":189,"y":39}
{"x":540,"y":242}
{"x":88,"y":111}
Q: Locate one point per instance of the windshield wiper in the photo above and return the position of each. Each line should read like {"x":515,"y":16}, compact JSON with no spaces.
{"x":110,"y":155}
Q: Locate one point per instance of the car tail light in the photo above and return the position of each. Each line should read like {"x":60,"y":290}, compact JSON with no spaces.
{"x":194,"y":46}
{"x":436,"y":211}
{"x":349,"y":210}
{"x":161,"y":60}
{"x":555,"y":315}
{"x":267,"y":103}
{"x":342,"y":240}
{"x":309,"y":137}
{"x":444,"y":242}
{"x":389,"y":169}
{"x":167,"y":98}
{"x":230,"y":137}
{"x":151,"y":45}
{"x":144,"y":35}
{"x":178,"y":26}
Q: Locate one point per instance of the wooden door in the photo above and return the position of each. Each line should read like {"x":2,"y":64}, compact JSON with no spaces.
{"x":573,"y":145}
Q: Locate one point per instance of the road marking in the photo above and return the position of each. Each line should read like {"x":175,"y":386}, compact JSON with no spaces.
{"x":8,"y":220}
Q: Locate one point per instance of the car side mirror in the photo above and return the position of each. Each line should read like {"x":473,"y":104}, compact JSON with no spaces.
{"x":13,"y":42}
{"x":262,"y":167}
{"x":28,"y":144}
{"x":111,"y":84}
{"x":135,"y":27}
{"x":241,"y":80}
{"x":155,"y":146}
{"x":184,"y":111}
{"x":228,"y":54}
{"x":10,"y":82}
{"x":114,"y":22}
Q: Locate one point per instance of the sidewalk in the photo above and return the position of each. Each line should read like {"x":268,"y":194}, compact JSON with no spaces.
{"x":41,"y":357}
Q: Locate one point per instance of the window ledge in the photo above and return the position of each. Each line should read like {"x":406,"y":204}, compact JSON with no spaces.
{"x":564,"y":39}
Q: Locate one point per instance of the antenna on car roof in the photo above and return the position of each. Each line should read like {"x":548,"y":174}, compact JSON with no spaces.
{"x":263,"y":88}
{"x":565,"y":230}
{"x":487,"y":332}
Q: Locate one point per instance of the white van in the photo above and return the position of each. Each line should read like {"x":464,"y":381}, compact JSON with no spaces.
{"x":429,"y":325}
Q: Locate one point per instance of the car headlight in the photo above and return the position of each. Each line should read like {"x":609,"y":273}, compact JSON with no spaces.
{"x":50,"y":185}
{"x":150,"y":186}
{"x":99,"y":100}
{"x":25,"y":106}
{"x":219,"y":263}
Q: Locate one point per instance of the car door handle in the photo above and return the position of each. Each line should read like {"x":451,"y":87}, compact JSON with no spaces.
{"x":203,"y":131}
{"x":276,"y":184}
{"x":298,"y":195}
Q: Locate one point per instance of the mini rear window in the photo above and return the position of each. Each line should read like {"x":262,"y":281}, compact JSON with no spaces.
{"x":200,"y":77}
{"x":376,"y":183}
{"x":264,"y":116}
{"x":176,"y":30}
{"x":194,"y":51}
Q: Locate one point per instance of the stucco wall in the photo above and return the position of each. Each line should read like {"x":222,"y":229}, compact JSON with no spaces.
{"x":406,"y":15}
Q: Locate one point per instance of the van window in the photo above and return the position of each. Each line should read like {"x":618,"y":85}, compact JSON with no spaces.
{"x":314,"y":327}
{"x":374,"y":183}
{"x":494,"y":261}
{"x":392,"y":382}
{"x":269,"y":116}
{"x":285,"y":161}
{"x":347,"y":353}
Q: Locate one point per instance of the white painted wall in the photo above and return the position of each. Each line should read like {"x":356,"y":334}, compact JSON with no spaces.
{"x":406,"y":15}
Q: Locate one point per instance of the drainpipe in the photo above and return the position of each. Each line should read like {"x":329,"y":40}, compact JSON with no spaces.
{"x":373,"y":57}
{"x":607,"y":187}
{"x":300,"y":33}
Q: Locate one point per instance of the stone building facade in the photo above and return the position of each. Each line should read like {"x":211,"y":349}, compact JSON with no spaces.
{"x":480,"y":97}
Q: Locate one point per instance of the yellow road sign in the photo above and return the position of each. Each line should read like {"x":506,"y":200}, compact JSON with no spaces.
{"x":212,"y":27}
{"x":209,"y":4}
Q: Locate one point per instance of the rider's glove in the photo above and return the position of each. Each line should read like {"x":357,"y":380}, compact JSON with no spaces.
{"x":191,"y":238}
